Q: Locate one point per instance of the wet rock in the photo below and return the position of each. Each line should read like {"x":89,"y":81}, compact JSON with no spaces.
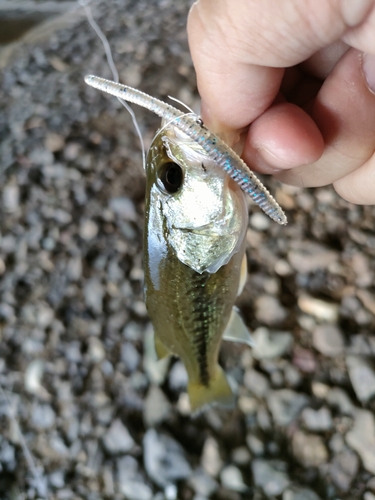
{"x":285,"y":405}
{"x":269,"y":311}
{"x":117,"y":439}
{"x":317,"y":420}
{"x":164,"y":459}
{"x":309,"y":449}
{"x":328,"y":340}
{"x":362,"y":438}
{"x":270,"y":344}
{"x":362,"y":377}
{"x":267,"y":476}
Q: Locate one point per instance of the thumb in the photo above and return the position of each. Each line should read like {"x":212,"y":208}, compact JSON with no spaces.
{"x":240,"y":49}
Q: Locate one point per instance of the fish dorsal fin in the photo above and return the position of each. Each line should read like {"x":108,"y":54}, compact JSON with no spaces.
{"x":236,"y":330}
{"x":243,"y":275}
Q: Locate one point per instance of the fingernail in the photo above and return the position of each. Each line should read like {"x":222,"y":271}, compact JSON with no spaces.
{"x":368,"y":66}
{"x":354,"y":11}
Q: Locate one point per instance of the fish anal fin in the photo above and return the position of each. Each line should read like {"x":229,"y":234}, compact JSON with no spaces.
{"x":243,"y":275}
{"x":161,"y":350}
{"x":237,"y":331}
{"x":218,"y":391}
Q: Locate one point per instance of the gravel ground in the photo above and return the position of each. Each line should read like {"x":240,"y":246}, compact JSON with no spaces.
{"x":99,"y":418}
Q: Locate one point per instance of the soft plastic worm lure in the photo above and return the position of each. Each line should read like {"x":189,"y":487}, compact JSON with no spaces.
{"x":192,"y":126}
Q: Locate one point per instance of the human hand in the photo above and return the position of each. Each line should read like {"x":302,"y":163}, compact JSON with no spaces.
{"x":291,"y":84}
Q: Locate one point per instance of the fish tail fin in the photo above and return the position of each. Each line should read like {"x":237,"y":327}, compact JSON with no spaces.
{"x":218,"y":391}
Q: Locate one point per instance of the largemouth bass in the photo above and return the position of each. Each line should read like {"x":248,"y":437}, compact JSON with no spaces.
{"x":194,"y":242}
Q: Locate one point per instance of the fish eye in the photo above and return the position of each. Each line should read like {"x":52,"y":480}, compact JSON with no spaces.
{"x":171,"y":177}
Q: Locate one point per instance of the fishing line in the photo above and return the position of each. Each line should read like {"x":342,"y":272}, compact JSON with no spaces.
{"x":108,"y":54}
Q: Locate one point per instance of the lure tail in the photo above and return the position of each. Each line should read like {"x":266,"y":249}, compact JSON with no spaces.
{"x":218,"y":391}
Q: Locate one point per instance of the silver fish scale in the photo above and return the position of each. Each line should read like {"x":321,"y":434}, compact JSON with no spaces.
{"x":191,"y":125}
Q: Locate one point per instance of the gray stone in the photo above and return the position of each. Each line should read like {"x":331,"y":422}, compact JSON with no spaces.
{"x":300,"y":494}
{"x":328,"y":340}
{"x":256,"y":383}
{"x":211,"y":459}
{"x":134,"y":490}
{"x":307,"y":257}
{"x":344,"y":468}
{"x":130,"y":357}
{"x":202,"y":483}
{"x":231,"y":478}
{"x":117,"y":439}
{"x":309,"y":449}
{"x":94,"y":293}
{"x":43,"y":417}
{"x":124,"y":208}
{"x":178,"y":377}
{"x":255,"y":444}
{"x":362,"y":438}
{"x":164,"y":459}
{"x":362,"y":377}
{"x":88,"y":229}
{"x":285,"y":405}
{"x":271,"y":345}
{"x":317,"y":420}
{"x":337,"y":398}
{"x":156,"y":407}
{"x":267,"y":476}
{"x":269,"y":311}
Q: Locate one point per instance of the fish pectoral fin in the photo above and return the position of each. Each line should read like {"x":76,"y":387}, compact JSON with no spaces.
{"x":243,"y":275}
{"x":161,"y":350}
{"x":218,"y":391}
{"x":236,"y":330}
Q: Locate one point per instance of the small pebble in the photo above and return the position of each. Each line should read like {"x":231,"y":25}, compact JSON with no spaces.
{"x":266,"y":475}
{"x":328,"y":340}
{"x":231,"y":478}
{"x":362,"y":438}
{"x":117,"y":439}
{"x":309,"y":449}
{"x":362,"y":377}
{"x":317,"y":420}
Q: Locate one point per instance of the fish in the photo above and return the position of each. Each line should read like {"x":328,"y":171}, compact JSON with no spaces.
{"x":195,"y":266}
